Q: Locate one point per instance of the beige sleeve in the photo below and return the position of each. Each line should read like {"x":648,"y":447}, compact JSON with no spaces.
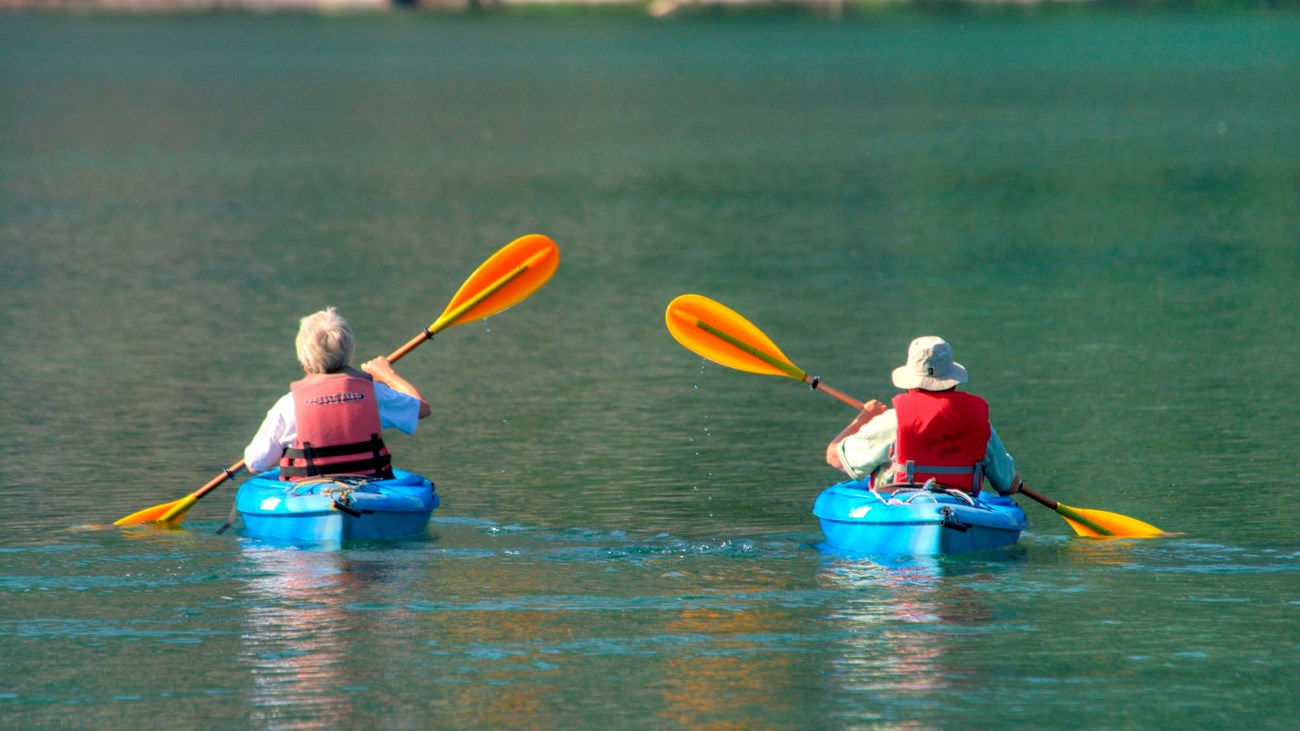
{"x":863,"y":452}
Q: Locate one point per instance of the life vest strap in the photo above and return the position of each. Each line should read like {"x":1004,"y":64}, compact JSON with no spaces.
{"x":378,"y":462}
{"x":338,"y":450}
{"x":912,"y":468}
{"x":381,"y":466}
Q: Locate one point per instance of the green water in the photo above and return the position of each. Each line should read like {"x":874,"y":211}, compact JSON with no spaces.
{"x":1097,"y":208}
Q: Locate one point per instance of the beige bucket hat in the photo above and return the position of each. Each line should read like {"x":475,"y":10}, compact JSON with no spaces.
{"x":929,"y":366}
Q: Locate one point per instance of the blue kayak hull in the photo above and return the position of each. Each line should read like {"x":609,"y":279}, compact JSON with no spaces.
{"x":336,"y":509}
{"x":916,"y":522}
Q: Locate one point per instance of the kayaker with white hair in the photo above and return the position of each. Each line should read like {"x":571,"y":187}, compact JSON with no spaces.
{"x":933,"y":431}
{"x":331,"y":420}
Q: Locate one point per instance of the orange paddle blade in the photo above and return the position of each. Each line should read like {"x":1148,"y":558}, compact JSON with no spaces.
{"x":173,"y":513}
{"x":717,"y":332}
{"x":148,"y":515}
{"x":178,"y":510}
{"x":506,"y":278}
{"x":1095,"y":523}
{"x":1118,"y":526}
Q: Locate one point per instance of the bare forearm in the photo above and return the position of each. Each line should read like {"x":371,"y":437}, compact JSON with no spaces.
{"x":870,"y":410}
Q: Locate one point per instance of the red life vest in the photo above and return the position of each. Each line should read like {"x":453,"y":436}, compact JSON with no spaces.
{"x":942,"y":435}
{"x":338,"y":428}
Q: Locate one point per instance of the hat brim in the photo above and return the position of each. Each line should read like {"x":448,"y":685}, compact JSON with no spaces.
{"x":905,"y":379}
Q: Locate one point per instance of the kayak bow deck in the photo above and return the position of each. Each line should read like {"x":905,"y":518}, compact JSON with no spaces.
{"x":336,"y":508}
{"x":916,"y":521}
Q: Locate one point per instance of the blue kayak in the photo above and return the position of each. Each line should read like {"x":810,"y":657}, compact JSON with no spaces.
{"x":336,"y":507}
{"x":915,"y":521}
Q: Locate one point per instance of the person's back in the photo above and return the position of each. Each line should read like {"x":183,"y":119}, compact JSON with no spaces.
{"x":339,"y":428}
{"x":941,"y":435}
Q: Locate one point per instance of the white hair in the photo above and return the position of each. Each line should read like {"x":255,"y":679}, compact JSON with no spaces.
{"x":325,"y":342}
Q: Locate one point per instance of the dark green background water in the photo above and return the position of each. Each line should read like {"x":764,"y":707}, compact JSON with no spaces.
{"x":1098,"y":209}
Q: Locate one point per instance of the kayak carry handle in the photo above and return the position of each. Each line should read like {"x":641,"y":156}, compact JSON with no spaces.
{"x":346,"y":509}
{"x":949,"y":520}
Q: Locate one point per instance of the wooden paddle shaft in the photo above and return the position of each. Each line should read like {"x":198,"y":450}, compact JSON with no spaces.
{"x":1038,"y":498}
{"x":1071,"y":514}
{"x":411,"y":344}
{"x":215,"y":481}
{"x":817,"y":385}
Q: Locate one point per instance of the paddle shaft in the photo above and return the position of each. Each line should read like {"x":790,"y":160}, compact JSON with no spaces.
{"x":411,"y":344}
{"x":176,"y":510}
{"x":1039,"y":498}
{"x":228,"y":474}
{"x":1065,"y":511}
{"x":816,"y":384}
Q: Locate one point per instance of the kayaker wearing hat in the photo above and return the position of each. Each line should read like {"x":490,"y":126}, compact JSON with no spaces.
{"x":330,"y":421}
{"x":933,"y":431}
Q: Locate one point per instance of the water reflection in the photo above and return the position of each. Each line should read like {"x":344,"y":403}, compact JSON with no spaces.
{"x":699,"y":688}
{"x":493,"y":668}
{"x":1105,"y":551}
{"x":164,"y":539}
{"x":300,"y":642}
{"x":897,"y":637}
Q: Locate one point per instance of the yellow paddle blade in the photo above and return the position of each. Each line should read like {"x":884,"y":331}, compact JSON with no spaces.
{"x":507,"y":277}
{"x":717,"y":332}
{"x":173,"y":513}
{"x":148,"y":515}
{"x":178,"y":510}
{"x":1119,"y":526}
